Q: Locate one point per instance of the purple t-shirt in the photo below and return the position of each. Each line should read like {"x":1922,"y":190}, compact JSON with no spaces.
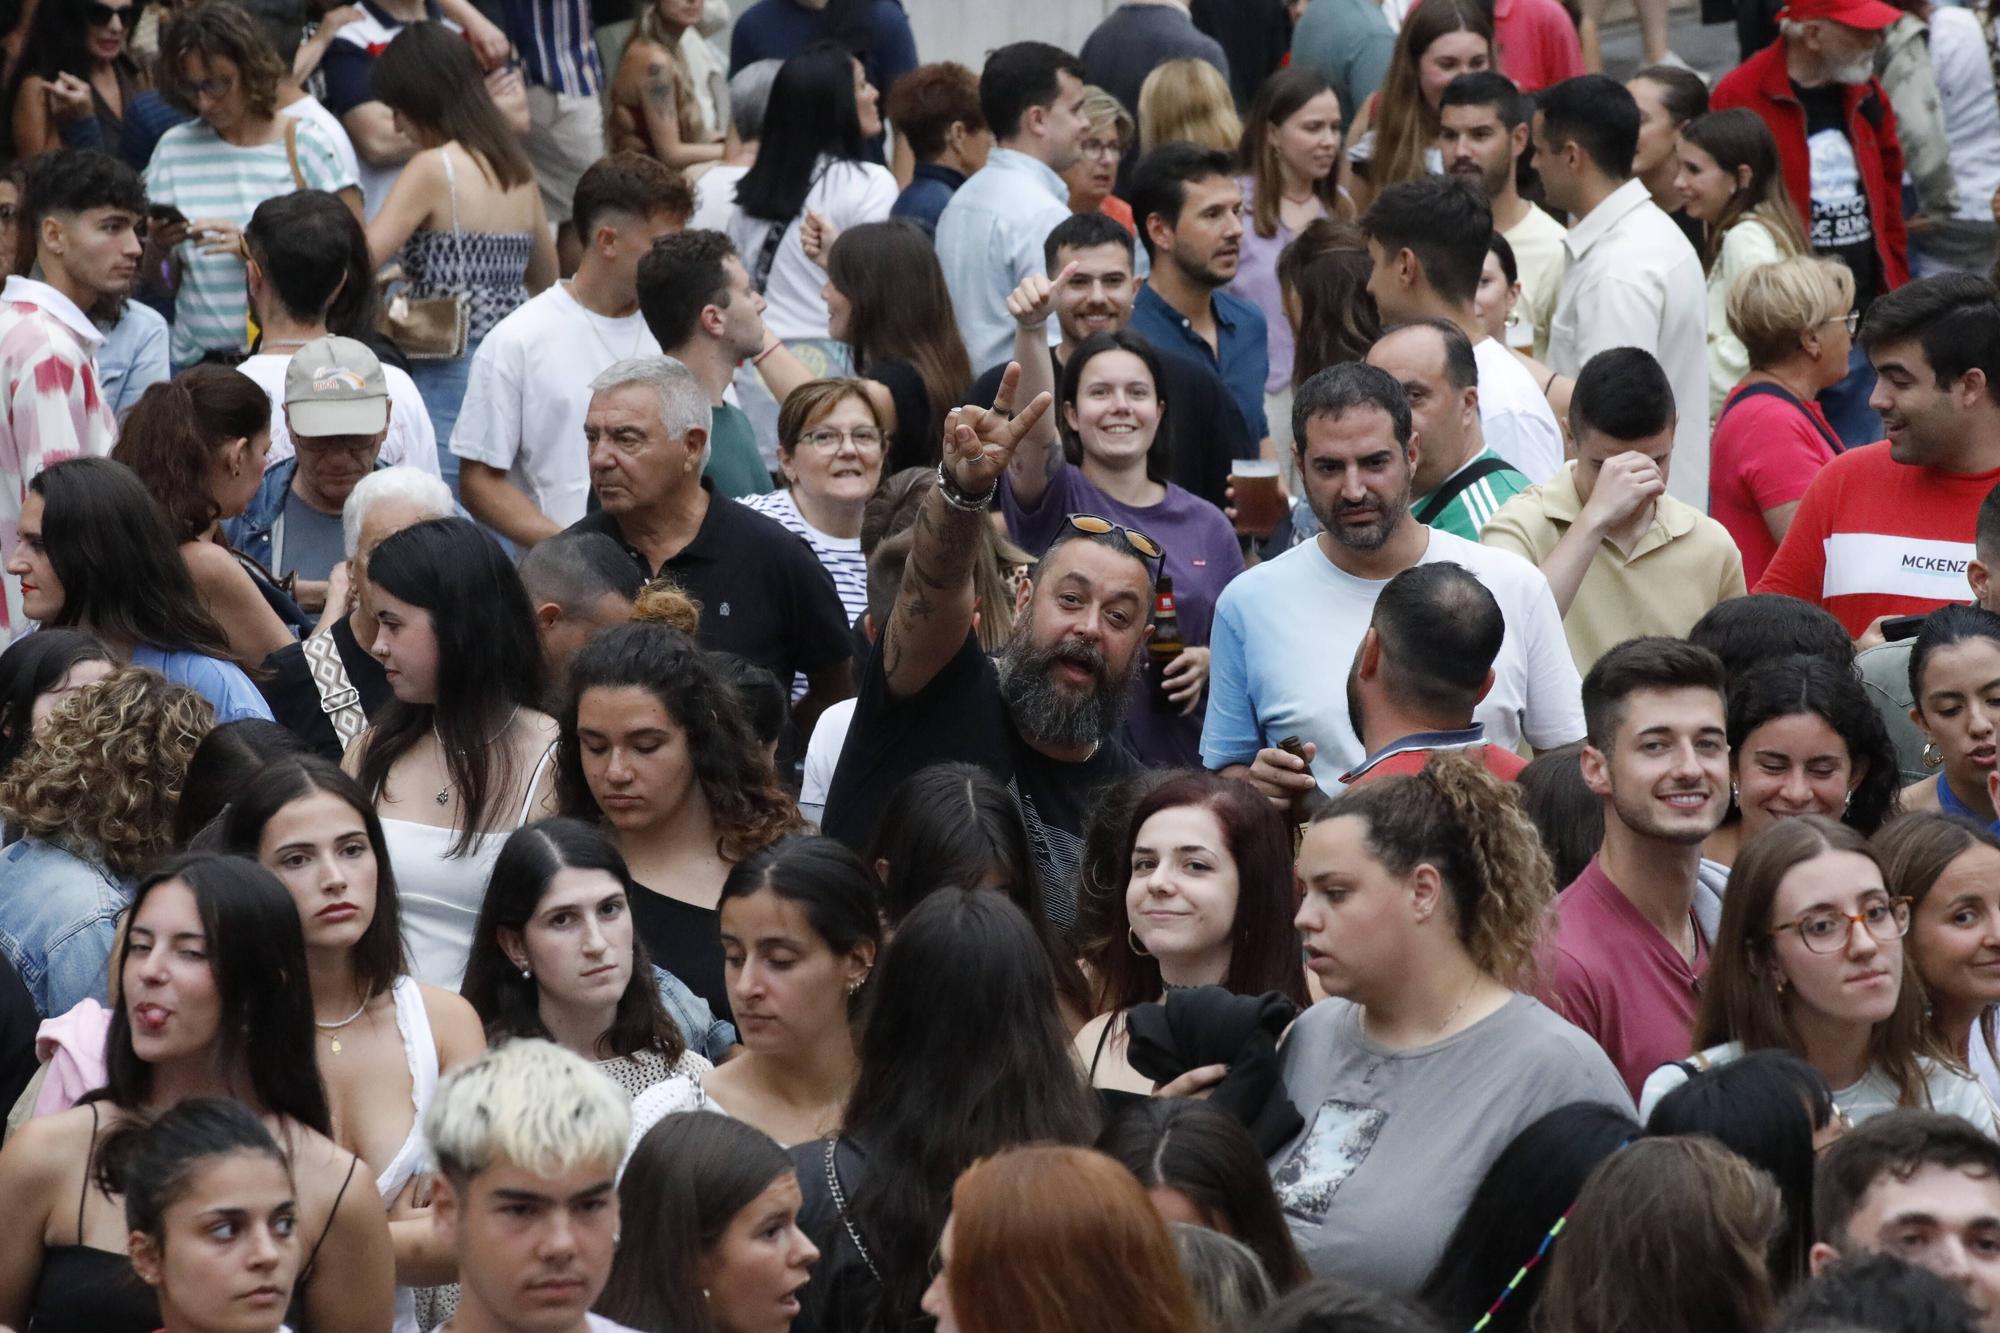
{"x":1202,"y":556}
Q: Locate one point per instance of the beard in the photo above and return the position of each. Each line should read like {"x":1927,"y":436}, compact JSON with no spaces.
{"x":1492,"y":179}
{"x":1858,"y":70}
{"x":1637,"y":814}
{"x":1047,"y":710}
{"x":1368,"y":537}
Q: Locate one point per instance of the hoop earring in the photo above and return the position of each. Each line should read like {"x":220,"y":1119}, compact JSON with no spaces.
{"x":1932,"y":756}
{"x":1132,"y":938}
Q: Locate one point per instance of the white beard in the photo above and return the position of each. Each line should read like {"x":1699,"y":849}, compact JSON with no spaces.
{"x":1860,"y":70}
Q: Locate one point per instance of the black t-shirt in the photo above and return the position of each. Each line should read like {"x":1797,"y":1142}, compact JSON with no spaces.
{"x":685,"y":940}
{"x":959,"y":717}
{"x":294,"y":699}
{"x":917,"y":440}
{"x":18,"y":1024}
{"x":764,"y":595}
{"x":1841,"y":225}
{"x":1205,"y":429}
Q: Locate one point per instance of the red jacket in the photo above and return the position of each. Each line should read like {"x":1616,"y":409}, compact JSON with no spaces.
{"x":1762,"y":85}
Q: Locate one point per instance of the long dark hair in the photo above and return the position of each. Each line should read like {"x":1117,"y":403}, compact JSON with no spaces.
{"x":1205,"y":1154}
{"x":956,"y":825}
{"x":152,"y":1161}
{"x":963,"y":1053}
{"x":810,"y":115}
{"x":257,"y":954}
{"x":686,"y":1181}
{"x":1765,"y":1107}
{"x":488,"y":661}
{"x":750,"y":809}
{"x":377,"y":957}
{"x":1277,"y":101}
{"x":1263,"y":945}
{"x":58,"y":43}
{"x":121,"y":569}
{"x":1159,"y":457}
{"x":221,"y":771}
{"x":1739,"y":138}
{"x":1326,"y":269}
{"x":30,"y":668}
{"x":175,"y":428}
{"x":1526,"y":1190}
{"x":428,"y":74}
{"x":901,"y":311}
{"x":509,"y":1003}
{"x":1803,"y":684}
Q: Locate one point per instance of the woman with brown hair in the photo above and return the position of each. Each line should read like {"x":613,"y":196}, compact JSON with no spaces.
{"x":1039,"y":1235}
{"x":1809,"y":959}
{"x":1394,"y":135}
{"x":1949,"y":869}
{"x":1667,"y":1233}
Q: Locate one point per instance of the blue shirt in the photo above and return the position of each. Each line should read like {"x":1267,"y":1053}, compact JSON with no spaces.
{"x":1241,"y":356}
{"x":930,"y":189}
{"x":58,"y":919}
{"x":557,"y":42}
{"x":222,"y":683}
{"x":990,"y":236}
{"x":133,"y":357}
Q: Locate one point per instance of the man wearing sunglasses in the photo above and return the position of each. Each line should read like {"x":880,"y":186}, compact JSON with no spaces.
{"x":1044,"y":714}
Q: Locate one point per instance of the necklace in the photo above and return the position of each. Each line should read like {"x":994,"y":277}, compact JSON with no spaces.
{"x":335,"y":1027}
{"x":444,"y":789}
{"x":590,"y":321}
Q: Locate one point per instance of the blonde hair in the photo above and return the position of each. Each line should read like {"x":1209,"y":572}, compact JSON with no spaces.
{"x":1104,"y":111}
{"x":526,"y":1103}
{"x":103,"y":776}
{"x":1770,"y":305}
{"x":1188,"y":101}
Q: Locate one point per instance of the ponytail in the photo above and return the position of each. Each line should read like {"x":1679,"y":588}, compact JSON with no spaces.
{"x":1475,"y":831}
{"x":170,"y":434}
{"x":150,"y":1161}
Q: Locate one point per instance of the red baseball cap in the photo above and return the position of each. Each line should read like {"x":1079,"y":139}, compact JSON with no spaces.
{"x":1867,"y":15}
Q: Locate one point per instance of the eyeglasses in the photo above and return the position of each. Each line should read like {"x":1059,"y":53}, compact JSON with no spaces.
{"x":331,"y":446}
{"x":211,"y":88}
{"x":1825,"y":930}
{"x":829,"y":439}
{"x":1852,"y":319}
{"x":101,"y":15}
{"x":1140,"y":542}
{"x":1101,"y":148}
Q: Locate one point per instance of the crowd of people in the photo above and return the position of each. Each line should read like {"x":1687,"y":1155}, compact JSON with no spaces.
{"x":1311,"y":669}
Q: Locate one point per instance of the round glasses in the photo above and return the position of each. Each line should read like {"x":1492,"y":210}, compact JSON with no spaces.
{"x":1825,"y":930}
{"x":831,"y":438}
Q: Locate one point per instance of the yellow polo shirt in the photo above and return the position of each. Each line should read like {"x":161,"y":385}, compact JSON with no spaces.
{"x":1685,"y":563}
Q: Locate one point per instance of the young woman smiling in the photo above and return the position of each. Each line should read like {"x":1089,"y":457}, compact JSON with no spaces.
{"x":1949,"y":869}
{"x":1810,"y":959}
{"x":1955,"y":681}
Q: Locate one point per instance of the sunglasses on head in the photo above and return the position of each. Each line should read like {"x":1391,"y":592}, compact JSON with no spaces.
{"x":99,"y":14}
{"x":1139,"y":541}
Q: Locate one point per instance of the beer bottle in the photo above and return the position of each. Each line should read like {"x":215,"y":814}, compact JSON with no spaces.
{"x":1166,"y":644}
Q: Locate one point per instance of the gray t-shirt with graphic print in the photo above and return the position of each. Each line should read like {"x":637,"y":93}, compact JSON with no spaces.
{"x":1396,"y":1141}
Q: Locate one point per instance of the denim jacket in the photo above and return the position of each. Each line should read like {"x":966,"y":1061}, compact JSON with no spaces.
{"x":706,"y":1035}
{"x":58,"y":918}
{"x":250,"y":531}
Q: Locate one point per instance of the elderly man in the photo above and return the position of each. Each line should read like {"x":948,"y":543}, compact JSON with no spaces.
{"x":580,"y":584}
{"x":764,"y":597}
{"x":325,"y":689}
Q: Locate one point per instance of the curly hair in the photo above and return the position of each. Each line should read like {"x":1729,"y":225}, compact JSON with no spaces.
{"x":750,"y":809}
{"x":1475,"y":830}
{"x":217,"y":30}
{"x":102,"y":779}
{"x":1806,"y":685}
{"x":664,"y":602}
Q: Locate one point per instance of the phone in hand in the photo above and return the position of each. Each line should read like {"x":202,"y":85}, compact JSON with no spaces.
{"x":1896,"y":628}
{"x":165,"y":215}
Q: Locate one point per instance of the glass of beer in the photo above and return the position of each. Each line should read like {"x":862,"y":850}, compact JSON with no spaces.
{"x":1259,"y":503}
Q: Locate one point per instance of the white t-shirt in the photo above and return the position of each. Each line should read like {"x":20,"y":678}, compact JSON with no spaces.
{"x":1951,"y":1092}
{"x":715,"y":197}
{"x":823,"y":756}
{"x":528,"y":391}
{"x":1971,"y":109}
{"x":845,"y":194}
{"x":312,"y":109}
{"x":411,"y":442}
{"x":1286,"y":631}
{"x":1515,"y":416}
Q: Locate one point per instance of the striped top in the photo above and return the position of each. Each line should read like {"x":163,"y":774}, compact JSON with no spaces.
{"x":197,"y":172}
{"x":840,"y":556}
{"x":558,"y":44}
{"x":1473,"y":507}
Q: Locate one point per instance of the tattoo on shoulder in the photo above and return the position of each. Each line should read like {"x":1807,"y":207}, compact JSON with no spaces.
{"x":660,"y":85}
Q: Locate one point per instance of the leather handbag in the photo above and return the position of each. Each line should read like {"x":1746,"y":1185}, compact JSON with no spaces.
{"x":431,"y":328}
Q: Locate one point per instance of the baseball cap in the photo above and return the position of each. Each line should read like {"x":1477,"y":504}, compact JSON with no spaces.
{"x":335,"y":386}
{"x":1868,"y":15}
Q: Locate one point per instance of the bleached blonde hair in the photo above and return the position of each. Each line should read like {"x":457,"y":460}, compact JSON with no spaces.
{"x":526,"y":1103}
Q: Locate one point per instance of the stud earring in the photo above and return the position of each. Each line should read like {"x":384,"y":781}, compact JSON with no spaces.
{"x":525,"y":972}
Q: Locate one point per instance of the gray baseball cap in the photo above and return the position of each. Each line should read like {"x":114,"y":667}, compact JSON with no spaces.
{"x":335,"y":386}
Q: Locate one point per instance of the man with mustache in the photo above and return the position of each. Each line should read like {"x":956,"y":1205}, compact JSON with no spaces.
{"x":1044,"y":714}
{"x":1280,"y":626}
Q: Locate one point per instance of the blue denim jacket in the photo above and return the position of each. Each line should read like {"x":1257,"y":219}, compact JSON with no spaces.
{"x":250,"y":531}
{"x":58,"y":918}
{"x":705,"y":1034}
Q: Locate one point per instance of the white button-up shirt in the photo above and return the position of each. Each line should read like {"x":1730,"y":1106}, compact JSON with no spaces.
{"x":1634,"y":281}
{"x":989,"y":238}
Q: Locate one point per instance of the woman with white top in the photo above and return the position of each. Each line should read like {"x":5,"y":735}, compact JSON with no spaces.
{"x":1949,"y":869}
{"x":812,"y":175}
{"x":1810,"y":959}
{"x":1731,"y":181}
{"x":462,"y":756}
{"x":382,"y":1038}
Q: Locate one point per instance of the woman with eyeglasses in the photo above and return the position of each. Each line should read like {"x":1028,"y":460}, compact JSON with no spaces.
{"x":1810,"y":959}
{"x":1094,"y":175}
{"x":1112,"y":462}
{"x":76,"y":79}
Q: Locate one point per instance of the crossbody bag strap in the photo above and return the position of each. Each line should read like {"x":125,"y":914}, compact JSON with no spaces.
{"x":840,"y":1206}
{"x":1770,"y":390}
{"x":338,"y":698}
{"x":1458,"y":484}
{"x":292,"y":151}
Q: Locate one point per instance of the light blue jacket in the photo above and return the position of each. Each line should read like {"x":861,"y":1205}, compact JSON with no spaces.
{"x":58,"y":918}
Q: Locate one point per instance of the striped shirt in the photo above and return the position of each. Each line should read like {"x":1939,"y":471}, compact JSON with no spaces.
{"x":840,"y":556}
{"x":197,"y":172}
{"x":1473,"y":507}
{"x":558,"y":44}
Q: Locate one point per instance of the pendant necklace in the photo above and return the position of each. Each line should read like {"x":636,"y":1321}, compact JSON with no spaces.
{"x":444,"y":789}
{"x":336,"y":1027}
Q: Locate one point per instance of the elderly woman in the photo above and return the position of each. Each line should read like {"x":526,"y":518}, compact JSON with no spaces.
{"x":1796,"y":320}
{"x":1095,"y":173}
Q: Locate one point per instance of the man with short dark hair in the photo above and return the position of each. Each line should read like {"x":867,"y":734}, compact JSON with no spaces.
{"x":1189,"y":210}
{"x":524,"y":474}
{"x":1423,"y":666}
{"x":1632,"y":278}
{"x":1428,"y":240}
{"x":935,"y":110}
{"x":1279,"y":624}
{"x":81,"y":212}
{"x":990,"y":235}
{"x":1483,"y":135}
{"x":579,"y":583}
{"x":1460,"y":483}
{"x":1921,"y":1185}
{"x":1628,"y":953}
{"x":1623,"y":557}
{"x":1889,"y":532}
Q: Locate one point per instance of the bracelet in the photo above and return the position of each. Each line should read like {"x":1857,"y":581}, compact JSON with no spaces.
{"x":956,"y":497}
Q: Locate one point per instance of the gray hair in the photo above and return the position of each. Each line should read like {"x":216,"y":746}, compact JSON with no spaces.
{"x":410,"y":484}
{"x":683,"y":400}
{"x":750,"y":96}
